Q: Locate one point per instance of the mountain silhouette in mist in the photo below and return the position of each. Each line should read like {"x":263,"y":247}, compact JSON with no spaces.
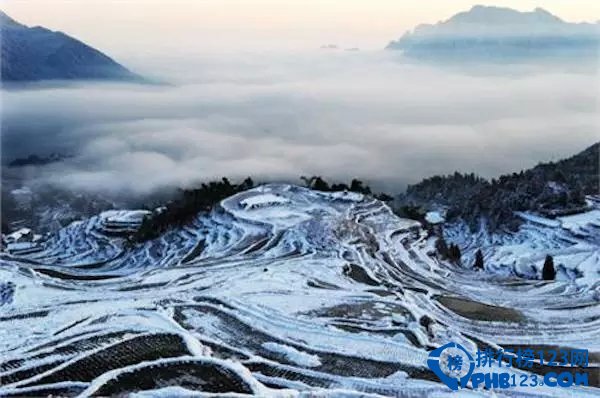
{"x":498,"y":33}
{"x":37,"y":53}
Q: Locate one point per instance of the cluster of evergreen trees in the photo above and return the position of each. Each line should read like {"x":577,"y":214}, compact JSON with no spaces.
{"x":411,"y":211}
{"x":448,"y":252}
{"x":550,"y":188}
{"x":319,"y":184}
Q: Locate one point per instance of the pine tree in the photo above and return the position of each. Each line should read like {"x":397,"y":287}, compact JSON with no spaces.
{"x":454,"y":254}
{"x":442,"y":247}
{"x":309,"y":182}
{"x":320,"y":184}
{"x":549,"y":273}
{"x":478,"y":260}
{"x":357,"y":186}
{"x":458,"y":255}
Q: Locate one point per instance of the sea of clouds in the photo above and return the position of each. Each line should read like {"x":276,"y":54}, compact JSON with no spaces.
{"x":371,"y":115}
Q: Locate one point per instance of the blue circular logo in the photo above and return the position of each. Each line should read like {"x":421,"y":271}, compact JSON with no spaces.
{"x":453,"y":364}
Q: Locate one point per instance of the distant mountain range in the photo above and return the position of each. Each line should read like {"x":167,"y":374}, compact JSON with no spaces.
{"x":37,"y":53}
{"x":494,"y":32}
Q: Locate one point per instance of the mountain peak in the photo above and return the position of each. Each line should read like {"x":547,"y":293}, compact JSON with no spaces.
{"x":8,"y":22}
{"x":37,"y":53}
{"x":501,"y":33}
{"x":503,"y":16}
{"x":541,"y":10}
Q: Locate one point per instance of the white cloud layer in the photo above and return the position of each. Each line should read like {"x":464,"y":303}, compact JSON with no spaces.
{"x":335,"y":114}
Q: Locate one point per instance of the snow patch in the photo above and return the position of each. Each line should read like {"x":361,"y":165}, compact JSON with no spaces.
{"x":434,"y":217}
{"x":300,"y":358}
{"x":267,"y":199}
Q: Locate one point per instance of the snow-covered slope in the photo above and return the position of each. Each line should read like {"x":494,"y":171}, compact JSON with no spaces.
{"x":573,"y":241}
{"x":279,"y":291}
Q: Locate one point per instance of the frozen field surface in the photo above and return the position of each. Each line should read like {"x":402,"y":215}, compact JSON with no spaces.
{"x":285,"y":292}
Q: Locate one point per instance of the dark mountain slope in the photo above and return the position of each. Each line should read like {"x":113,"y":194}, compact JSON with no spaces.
{"x":37,"y":53}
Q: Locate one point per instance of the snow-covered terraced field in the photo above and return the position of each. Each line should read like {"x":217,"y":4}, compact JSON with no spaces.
{"x":573,"y":241}
{"x":280,"y":291}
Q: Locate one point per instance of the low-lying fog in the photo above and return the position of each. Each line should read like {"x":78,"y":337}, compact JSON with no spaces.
{"x":337,"y":114}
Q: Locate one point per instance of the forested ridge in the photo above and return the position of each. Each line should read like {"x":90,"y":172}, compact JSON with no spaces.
{"x":552,"y":189}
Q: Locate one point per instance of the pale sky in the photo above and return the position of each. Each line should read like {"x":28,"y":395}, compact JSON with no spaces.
{"x":151,"y":26}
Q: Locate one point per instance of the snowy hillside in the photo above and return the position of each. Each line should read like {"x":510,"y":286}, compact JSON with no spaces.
{"x":282,"y":291}
{"x":573,"y":241}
